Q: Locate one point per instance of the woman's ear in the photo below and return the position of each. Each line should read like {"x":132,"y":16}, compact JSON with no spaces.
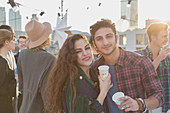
{"x":6,"y":42}
{"x":94,"y":45}
{"x":95,"y":50}
{"x":117,"y":37}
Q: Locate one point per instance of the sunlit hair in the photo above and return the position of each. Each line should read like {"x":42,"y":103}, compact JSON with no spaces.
{"x":64,"y":68}
{"x":5,"y":35}
{"x":155,"y":28}
{"x":104,"y":23}
{"x":43,"y":45}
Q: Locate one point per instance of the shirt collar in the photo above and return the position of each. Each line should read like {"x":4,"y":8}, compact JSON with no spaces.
{"x":148,"y":52}
{"x":121,"y":57}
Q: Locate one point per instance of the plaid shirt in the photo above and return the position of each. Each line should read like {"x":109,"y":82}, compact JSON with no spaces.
{"x":164,"y":74}
{"x":135,"y":75}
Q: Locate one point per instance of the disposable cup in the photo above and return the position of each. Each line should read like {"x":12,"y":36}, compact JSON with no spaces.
{"x":116,"y":96}
{"x":168,"y":111}
{"x":166,"y":45}
{"x":103,"y":71}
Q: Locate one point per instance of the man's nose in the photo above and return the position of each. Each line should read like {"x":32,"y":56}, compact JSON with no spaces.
{"x":105,"y":41}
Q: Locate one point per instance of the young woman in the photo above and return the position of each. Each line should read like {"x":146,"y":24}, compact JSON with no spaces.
{"x":7,"y":81}
{"x":72,"y":87}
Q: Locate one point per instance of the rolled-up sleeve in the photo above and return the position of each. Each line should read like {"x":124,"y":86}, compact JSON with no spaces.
{"x":96,"y":106}
{"x":151,"y":81}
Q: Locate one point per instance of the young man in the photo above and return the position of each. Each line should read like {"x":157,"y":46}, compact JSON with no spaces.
{"x":132,"y":74}
{"x":21,"y":45}
{"x":158,"y":37}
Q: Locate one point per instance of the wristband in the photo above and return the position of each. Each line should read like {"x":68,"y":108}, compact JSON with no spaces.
{"x":141,"y":104}
{"x":144,"y":105}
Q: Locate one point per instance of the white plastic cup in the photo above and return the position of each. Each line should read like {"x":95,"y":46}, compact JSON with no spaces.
{"x":168,"y":111}
{"x":116,"y":96}
{"x":103,"y":71}
{"x":166,"y":45}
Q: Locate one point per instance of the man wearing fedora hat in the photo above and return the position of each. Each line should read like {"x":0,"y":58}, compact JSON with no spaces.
{"x":34,"y":65}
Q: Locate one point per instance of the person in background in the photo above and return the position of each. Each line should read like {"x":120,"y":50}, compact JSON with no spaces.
{"x":72,"y":86}
{"x":34,"y":65}
{"x":7,"y":81}
{"x":11,"y":60}
{"x":131,"y":73}
{"x":21,"y":44}
{"x":158,"y":35}
{"x":10,"y":56}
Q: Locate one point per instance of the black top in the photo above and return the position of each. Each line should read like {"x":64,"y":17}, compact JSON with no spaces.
{"x":7,"y":80}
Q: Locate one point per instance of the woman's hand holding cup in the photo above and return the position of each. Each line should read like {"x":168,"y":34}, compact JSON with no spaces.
{"x":106,"y":84}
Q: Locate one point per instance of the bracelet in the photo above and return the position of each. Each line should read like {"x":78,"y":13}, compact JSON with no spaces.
{"x":144,"y":105}
{"x":141,"y":105}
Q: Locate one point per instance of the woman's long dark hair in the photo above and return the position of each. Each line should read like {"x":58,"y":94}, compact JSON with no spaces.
{"x":65,"y":66}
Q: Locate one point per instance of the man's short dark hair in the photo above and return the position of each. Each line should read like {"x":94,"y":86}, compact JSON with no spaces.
{"x":155,"y":28}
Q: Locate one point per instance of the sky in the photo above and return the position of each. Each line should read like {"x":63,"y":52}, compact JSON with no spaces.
{"x":83,"y":13}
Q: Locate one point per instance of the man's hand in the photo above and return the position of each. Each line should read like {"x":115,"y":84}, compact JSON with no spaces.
{"x":129,"y":104}
{"x":164,"y":52}
{"x":162,"y":55}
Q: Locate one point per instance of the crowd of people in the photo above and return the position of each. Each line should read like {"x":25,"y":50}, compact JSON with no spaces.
{"x":71,"y":82}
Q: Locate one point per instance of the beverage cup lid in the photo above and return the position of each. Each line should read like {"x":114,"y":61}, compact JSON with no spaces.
{"x":117,"y":95}
{"x":166,"y":44}
{"x":103,"y":67}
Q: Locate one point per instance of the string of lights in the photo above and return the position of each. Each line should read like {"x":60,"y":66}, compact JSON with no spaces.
{"x":15,"y":6}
